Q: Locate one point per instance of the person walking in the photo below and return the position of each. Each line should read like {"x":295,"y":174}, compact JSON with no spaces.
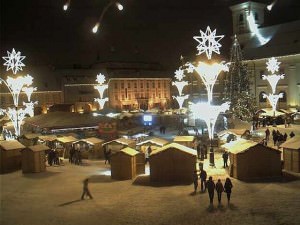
{"x":227,"y":188}
{"x":203,"y":176}
{"x":225,"y":159}
{"x":86,"y":190}
{"x":210,"y":185}
{"x":195,"y":180}
{"x":219,"y":189}
{"x":267,"y":134}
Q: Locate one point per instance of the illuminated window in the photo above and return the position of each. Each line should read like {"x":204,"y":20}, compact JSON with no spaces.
{"x":116,"y":85}
{"x":142,"y":85}
{"x":129,"y":96}
{"x":159,"y":95}
{"x":135,"y":85}
{"x":128,"y":85}
{"x":153,"y":84}
{"x":122,"y":85}
{"x":158,"y":84}
{"x":283,"y":99}
{"x":147,"y":84}
{"x":261,"y":99}
{"x":165,"y":84}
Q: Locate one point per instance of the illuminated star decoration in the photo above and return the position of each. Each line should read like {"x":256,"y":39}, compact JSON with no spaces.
{"x":179,"y":74}
{"x":100,"y":78}
{"x":13,"y":61}
{"x":208,"y":42}
{"x":273,"y":65}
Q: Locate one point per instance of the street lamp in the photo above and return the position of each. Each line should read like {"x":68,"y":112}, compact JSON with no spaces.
{"x":101,"y":87}
{"x":15,"y":86}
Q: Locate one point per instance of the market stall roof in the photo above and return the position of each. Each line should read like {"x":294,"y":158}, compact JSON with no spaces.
{"x":32,"y":135}
{"x":66,"y":139}
{"x":241,"y":145}
{"x":238,"y":131}
{"x":289,"y":110}
{"x":184,"y":138}
{"x":11,"y":145}
{"x":177,"y":146}
{"x":292,"y":143}
{"x":91,"y":140}
{"x":50,"y":137}
{"x":129,"y":151}
{"x":38,"y":148}
{"x":269,"y":112}
{"x":123,"y":141}
{"x":64,"y":120}
{"x":157,"y":141}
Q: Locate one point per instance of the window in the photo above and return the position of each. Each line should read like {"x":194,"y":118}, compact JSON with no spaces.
{"x":158,"y":84}
{"x":159,"y":95}
{"x":129,"y":96}
{"x":147,"y":84}
{"x":116,"y":97}
{"x":122,"y":85}
{"x":165,"y":95}
{"x":142,"y":85}
{"x":261,"y":73}
{"x":241,"y":18}
{"x":165,"y":84}
{"x":261,"y":98}
{"x":153,"y":84}
{"x":116,"y":85}
{"x":135,"y":85}
{"x":283,"y":99}
{"x":123,"y":97}
{"x":255,"y":16}
{"x":153,"y":95}
{"x":128,"y":85}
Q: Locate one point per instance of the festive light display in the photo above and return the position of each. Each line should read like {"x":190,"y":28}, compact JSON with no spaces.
{"x":208,"y":42}
{"x":273,"y":99}
{"x":15,"y":86}
{"x":254,"y":29}
{"x":273,"y":80}
{"x":13,"y":61}
{"x":209,"y":74}
{"x":101,"y":87}
{"x":273,"y":65}
{"x":180,"y":85}
{"x":180,"y":100}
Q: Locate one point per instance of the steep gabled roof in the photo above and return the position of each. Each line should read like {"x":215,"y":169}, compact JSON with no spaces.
{"x":176,"y":146}
{"x":292,"y":143}
{"x":11,"y":145}
{"x":129,"y":151}
{"x":157,"y":141}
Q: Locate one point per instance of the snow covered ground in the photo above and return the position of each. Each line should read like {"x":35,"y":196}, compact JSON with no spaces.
{"x":53,"y":197}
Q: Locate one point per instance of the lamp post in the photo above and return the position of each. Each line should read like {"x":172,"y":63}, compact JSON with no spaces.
{"x":208,"y":72}
{"x":101,"y":87}
{"x":15,"y":85}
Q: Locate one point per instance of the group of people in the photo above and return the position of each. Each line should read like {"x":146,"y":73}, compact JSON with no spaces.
{"x":201,"y":151}
{"x":75,"y":156}
{"x":212,"y":187}
{"x":162,"y":130}
{"x":278,"y":137}
{"x":53,"y":157}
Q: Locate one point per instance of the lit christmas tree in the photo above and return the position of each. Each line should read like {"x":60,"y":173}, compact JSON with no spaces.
{"x":243,"y":104}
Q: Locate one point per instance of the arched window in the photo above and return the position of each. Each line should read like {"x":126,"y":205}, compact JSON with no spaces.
{"x":261,"y":98}
{"x":241,"y":18}
{"x":283,"y":99}
{"x":255,"y":16}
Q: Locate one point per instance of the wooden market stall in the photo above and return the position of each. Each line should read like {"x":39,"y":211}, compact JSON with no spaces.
{"x":155,"y":143}
{"x":252,"y":160}
{"x":173,"y":163}
{"x":30,"y":139}
{"x":118,"y":144}
{"x":291,"y":154}
{"x":47,"y":140}
{"x":10,"y":152}
{"x":64,"y":145}
{"x":187,"y":141}
{"x":91,"y":148}
{"x":123,"y":164}
{"x":34,"y":159}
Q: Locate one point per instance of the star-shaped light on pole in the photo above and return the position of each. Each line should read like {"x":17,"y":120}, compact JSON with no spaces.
{"x":208,"y":42}
{"x":273,"y":65}
{"x":13,"y":61}
{"x":101,"y":87}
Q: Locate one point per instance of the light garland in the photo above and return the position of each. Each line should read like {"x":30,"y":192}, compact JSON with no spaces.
{"x":180,"y":100}
{"x":101,"y":87}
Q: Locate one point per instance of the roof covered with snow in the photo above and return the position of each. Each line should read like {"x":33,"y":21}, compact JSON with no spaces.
{"x":292,"y":143}
{"x":156,"y":141}
{"x":175,"y":146}
{"x":11,"y":145}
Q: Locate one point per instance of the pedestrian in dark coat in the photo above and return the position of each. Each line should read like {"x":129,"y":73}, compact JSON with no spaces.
{"x":292,"y":134}
{"x":227,"y":187}
{"x":195,"y":180}
{"x":86,"y":190}
{"x":284,"y":137}
{"x":225,"y":159}
{"x":267,"y":134}
{"x":219,"y":189}
{"x":210,"y":185}
{"x":203,"y":176}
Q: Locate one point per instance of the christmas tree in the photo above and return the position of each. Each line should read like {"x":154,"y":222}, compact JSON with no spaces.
{"x":237,"y":90}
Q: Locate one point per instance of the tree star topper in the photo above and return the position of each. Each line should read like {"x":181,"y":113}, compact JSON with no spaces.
{"x":13,"y":61}
{"x":273,"y":65}
{"x":100,"y":78}
{"x":208,"y":42}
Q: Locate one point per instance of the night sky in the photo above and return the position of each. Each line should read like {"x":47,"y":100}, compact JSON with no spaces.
{"x":146,"y":30}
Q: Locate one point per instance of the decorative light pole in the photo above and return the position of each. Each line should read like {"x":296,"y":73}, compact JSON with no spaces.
{"x":101,"y":87}
{"x":179,"y":84}
{"x":208,"y":72}
{"x":273,"y":67}
{"x":15,"y":85}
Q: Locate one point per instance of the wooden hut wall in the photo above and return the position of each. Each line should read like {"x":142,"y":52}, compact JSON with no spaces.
{"x":10,"y":160}
{"x":140,"y":163}
{"x":172,"y":165}
{"x":186,"y":143}
{"x":291,"y":159}
{"x":97,"y":151}
{"x":33,"y":161}
{"x":258,"y":162}
{"x":122,"y":166}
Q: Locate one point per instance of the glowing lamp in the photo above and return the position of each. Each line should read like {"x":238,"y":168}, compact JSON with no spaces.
{"x":95,"y":28}
{"x":119,"y":6}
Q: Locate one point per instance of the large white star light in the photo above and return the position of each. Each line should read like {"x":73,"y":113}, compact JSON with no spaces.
{"x":100,"y":78}
{"x":179,"y":74}
{"x":208,"y":42}
{"x":13,"y":61}
{"x":273,"y":65}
